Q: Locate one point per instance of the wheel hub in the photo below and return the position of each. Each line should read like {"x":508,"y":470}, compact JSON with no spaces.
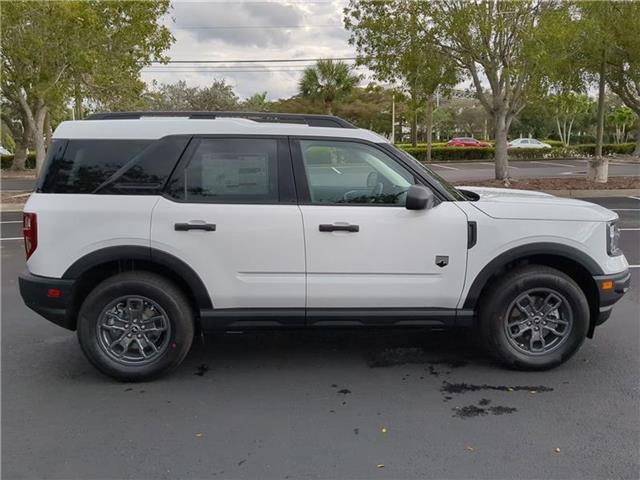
{"x":133,"y":330}
{"x":538,"y":321}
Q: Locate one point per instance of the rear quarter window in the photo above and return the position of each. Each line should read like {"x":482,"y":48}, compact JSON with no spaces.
{"x":83,"y":165}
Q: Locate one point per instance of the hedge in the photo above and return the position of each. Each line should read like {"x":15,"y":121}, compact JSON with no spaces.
{"x":441,"y":153}
{"x":453,"y":154}
{"x":553,"y":143}
{"x":7,"y":161}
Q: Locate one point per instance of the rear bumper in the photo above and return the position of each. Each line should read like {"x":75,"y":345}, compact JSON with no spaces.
{"x":609,"y":296}
{"x":49,"y":297}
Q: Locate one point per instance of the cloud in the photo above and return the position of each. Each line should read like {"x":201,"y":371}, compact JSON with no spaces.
{"x":319,"y":35}
{"x":242,"y":24}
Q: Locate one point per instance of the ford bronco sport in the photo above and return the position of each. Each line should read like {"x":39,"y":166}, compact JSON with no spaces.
{"x":147,"y":227}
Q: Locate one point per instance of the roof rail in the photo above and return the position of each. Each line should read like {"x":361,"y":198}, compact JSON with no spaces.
{"x":267,"y":117}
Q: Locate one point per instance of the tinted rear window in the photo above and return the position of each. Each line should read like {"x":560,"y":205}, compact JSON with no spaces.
{"x":86,"y":164}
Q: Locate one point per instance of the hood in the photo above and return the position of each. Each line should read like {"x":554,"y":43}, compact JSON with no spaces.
{"x":531,"y":205}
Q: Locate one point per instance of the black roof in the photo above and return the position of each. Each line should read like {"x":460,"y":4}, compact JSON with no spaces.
{"x":268,"y":117}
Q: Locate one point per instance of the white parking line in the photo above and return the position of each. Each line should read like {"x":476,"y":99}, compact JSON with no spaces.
{"x":625,"y":209}
{"x":634,"y":266}
{"x":486,"y":163}
{"x":517,"y":168}
{"x":635,"y":198}
{"x":556,"y":164}
{"x":630,"y":229}
{"x":443,"y":166}
{"x":11,"y":238}
{"x":12,"y":221}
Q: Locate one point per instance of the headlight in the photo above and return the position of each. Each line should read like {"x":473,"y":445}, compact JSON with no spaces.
{"x":613,"y":239}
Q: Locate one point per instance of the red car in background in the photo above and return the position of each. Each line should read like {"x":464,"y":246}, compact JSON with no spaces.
{"x":466,"y":142}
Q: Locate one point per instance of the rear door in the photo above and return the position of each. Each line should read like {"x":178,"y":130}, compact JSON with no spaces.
{"x":230,"y":212}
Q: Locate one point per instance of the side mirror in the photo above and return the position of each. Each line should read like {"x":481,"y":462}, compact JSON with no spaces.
{"x":419,"y":197}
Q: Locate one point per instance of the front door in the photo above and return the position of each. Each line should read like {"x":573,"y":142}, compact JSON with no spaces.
{"x":364,"y":249}
{"x":230,"y":213}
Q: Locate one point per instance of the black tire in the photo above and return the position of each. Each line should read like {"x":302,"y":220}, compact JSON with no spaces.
{"x":160,"y":292}
{"x":499,"y":302}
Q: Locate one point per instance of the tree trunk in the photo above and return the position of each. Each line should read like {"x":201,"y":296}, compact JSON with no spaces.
{"x":77,"y":107}
{"x":599,"y":165}
{"x":414,"y":128}
{"x":393,"y":119}
{"x":20,"y":155}
{"x":327,"y":107}
{"x":501,"y":158}
{"x":48,"y":132}
{"x":636,"y":152}
{"x":39,"y":140}
{"x":429,"y":125}
{"x":560,"y":132}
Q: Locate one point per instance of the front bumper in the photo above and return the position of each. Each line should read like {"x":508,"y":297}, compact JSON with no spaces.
{"x":611,"y":288}
{"x":49,"y":297}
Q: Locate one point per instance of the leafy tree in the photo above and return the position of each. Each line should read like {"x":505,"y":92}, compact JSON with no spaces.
{"x":217,"y":96}
{"x":180,"y":97}
{"x":14,"y":121}
{"x":53,"y":50}
{"x":171,"y":96}
{"x":256,"y":103}
{"x":391,"y":39}
{"x":566,"y":108}
{"x":623,"y":61}
{"x":368,"y":107}
{"x":609,"y":54}
{"x":621,"y":118}
{"x":492,"y":40}
{"x":327,"y":82}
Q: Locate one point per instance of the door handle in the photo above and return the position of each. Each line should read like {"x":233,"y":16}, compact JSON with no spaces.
{"x":183,"y":227}
{"x":332,"y":227}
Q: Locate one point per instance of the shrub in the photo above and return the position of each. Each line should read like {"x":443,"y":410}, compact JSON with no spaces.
{"x":464,"y":154}
{"x":553,"y":143}
{"x":607,"y":148}
{"x":7,"y":161}
{"x":451,"y":154}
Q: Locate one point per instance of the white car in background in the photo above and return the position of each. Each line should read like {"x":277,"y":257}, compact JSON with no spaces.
{"x":528,"y":143}
{"x":4,"y":151}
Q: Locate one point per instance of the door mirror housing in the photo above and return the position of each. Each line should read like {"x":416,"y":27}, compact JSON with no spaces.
{"x":419,"y":197}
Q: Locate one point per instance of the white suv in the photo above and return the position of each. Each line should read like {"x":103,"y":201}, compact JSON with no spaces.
{"x":147,"y":227}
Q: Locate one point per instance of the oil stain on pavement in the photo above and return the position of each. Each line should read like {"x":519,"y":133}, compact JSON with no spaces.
{"x":392,"y":357}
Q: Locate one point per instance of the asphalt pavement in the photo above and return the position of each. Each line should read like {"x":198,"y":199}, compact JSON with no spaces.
{"x":475,"y":171}
{"x":322,"y":404}
{"x":456,"y":171}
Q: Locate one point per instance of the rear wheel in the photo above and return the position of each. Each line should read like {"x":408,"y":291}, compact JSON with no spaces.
{"x":135,"y":326}
{"x":534,"y":318}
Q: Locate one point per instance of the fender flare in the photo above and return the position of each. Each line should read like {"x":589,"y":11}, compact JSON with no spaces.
{"x":524,"y":251}
{"x":148,"y":254}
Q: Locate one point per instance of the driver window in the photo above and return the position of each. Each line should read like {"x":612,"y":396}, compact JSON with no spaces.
{"x":348,"y":172}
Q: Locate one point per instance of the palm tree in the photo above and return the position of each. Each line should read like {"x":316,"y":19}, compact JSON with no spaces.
{"x":327,"y":81}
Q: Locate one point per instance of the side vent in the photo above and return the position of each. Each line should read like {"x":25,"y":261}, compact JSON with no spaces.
{"x":472,"y":234}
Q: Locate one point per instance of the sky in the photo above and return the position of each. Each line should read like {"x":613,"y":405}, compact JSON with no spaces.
{"x":252,"y":30}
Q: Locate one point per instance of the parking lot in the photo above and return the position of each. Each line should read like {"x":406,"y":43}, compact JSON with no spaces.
{"x":455,"y":171}
{"x":325,"y":404}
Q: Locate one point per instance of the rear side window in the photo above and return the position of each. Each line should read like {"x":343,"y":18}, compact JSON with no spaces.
{"x":231,"y":170}
{"x":86,"y":164}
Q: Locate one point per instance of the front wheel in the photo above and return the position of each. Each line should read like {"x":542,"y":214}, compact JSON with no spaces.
{"x":135,"y":326}
{"x":534,"y":318}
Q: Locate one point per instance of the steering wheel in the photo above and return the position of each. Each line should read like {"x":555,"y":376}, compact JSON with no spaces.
{"x":375,"y":191}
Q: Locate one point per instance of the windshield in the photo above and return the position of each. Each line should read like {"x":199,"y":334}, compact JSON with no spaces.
{"x":453,"y":191}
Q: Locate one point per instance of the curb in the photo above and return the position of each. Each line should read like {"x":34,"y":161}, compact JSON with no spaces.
{"x":11,"y":207}
{"x":622,"y":192}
